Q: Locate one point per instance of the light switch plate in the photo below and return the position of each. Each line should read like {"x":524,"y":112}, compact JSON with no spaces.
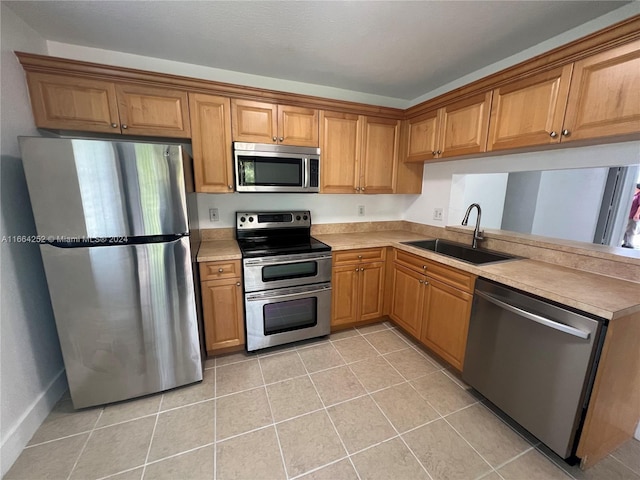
{"x":437,"y":213}
{"x":213,"y":215}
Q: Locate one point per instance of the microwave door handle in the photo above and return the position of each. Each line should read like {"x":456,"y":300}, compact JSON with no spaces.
{"x":306,"y":172}
{"x":535,"y":318}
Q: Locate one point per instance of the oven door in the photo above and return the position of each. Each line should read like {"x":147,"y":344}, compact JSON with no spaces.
{"x":287,"y":315}
{"x":280,"y":271}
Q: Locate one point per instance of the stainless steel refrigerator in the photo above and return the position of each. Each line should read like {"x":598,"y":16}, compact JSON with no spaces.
{"x":113,"y":224}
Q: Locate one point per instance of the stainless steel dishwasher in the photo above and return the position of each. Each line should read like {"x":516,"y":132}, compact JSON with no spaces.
{"x":533,"y":360}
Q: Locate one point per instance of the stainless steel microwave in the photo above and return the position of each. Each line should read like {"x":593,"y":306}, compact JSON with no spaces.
{"x":261,"y":167}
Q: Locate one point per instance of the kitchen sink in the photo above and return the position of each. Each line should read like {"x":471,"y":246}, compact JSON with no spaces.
{"x":465,"y":253}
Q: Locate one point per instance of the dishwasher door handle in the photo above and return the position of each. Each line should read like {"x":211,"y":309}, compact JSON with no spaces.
{"x":536,"y":318}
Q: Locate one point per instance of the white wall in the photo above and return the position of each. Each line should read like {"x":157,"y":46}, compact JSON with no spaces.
{"x":324,"y":208}
{"x":438,"y":177}
{"x":31,"y":370}
{"x":487,"y":190}
{"x":121,"y":59}
{"x":568,"y":204}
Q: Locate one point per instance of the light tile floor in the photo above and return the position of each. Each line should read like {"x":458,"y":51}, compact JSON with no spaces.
{"x":361,"y":404}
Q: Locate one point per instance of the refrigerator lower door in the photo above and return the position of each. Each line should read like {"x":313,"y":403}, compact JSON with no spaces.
{"x":126,"y":318}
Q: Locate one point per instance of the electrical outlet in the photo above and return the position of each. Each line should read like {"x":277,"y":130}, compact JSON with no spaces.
{"x":437,"y":213}
{"x":213,"y":215}
{"x":361,"y":210}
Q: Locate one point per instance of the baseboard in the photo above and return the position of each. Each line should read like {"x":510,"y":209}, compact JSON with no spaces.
{"x":29,"y":422}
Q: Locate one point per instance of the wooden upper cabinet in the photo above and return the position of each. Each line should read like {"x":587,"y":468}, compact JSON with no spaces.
{"x":423,"y":137}
{"x":84,"y":104}
{"x":464,"y":126}
{"x":604,"y":98}
{"x":159,"y":112}
{"x":73,"y":103}
{"x":529,"y":111}
{"x":269,"y":123}
{"x":297,"y":126}
{"x":340,"y":147}
{"x":379,"y":155}
{"x":211,"y":142}
{"x":254,"y":121}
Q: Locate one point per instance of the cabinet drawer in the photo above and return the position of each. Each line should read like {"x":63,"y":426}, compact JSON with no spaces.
{"x":452,"y":276}
{"x":360,"y":255}
{"x":218,"y":270}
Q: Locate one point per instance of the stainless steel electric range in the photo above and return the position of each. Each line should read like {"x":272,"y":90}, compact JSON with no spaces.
{"x":287,"y":278}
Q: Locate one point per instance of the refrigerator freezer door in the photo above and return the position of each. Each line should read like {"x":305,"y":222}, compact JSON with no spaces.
{"x":126,"y":319}
{"x":93,"y":188}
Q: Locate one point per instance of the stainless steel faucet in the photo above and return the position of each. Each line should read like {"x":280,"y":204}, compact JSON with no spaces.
{"x":477,"y":234}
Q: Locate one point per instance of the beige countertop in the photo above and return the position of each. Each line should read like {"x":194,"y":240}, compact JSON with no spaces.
{"x":214,"y":250}
{"x":599,"y":295}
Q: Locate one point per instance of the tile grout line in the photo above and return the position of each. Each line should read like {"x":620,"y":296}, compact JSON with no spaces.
{"x":505,"y":423}
{"x":153,"y":433}
{"x":215,"y":419}
{"x":552,"y":460}
{"x":284,"y":465}
{"x":327,"y":411}
{"x":75,"y":464}
{"x":620,"y":461}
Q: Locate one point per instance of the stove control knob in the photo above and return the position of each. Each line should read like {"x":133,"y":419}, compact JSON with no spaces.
{"x":304,"y":217}
{"x":251,"y":219}
{"x":243,"y":219}
{"x":298,"y":217}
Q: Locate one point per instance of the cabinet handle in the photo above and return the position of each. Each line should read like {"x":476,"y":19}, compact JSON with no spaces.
{"x":275,"y":139}
{"x":221,"y":270}
{"x":565,"y":133}
{"x":230,"y":187}
{"x":114,"y":125}
{"x":124,"y":126}
{"x":361,"y":269}
{"x":362,"y":189}
{"x":357,"y":269}
{"x":434,"y":153}
{"x":426,"y":283}
{"x":360,"y":257}
{"x":439,"y":152}
{"x":357,"y":189}
{"x":553,"y":134}
{"x":421,"y":281}
{"x":281,"y":139}
{"x":237,"y":284}
{"x":424,"y":267}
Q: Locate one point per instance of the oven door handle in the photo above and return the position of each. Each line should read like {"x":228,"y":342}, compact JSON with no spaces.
{"x":286,"y":293}
{"x":262,"y":263}
{"x":536,"y":318}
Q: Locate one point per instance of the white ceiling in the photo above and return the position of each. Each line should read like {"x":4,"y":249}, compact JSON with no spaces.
{"x":392,"y":48}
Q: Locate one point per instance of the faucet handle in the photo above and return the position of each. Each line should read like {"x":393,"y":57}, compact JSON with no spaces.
{"x":479,"y":236}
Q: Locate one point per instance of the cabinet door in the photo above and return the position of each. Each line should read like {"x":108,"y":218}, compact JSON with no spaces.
{"x":297,"y":126}
{"x":407,"y":299}
{"x":254,"y":121}
{"x":73,"y":103}
{"x":344,"y":294}
{"x":423,"y":137}
{"x":604,"y":98}
{"x":530,"y":111}
{"x":341,"y":137}
{"x":159,"y":112}
{"x":464,"y":126}
{"x":446,"y":321}
{"x":223,"y":313}
{"x":380,"y":155}
{"x":211,"y":142}
{"x":371,"y":290}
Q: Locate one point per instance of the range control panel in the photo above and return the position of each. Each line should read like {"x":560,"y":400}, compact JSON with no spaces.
{"x":284,"y":219}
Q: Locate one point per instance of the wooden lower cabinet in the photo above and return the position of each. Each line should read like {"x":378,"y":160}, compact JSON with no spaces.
{"x":432,"y":302}
{"x":446,"y":321}
{"x":407,"y":299}
{"x":357,"y":286}
{"x":222,"y":311}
